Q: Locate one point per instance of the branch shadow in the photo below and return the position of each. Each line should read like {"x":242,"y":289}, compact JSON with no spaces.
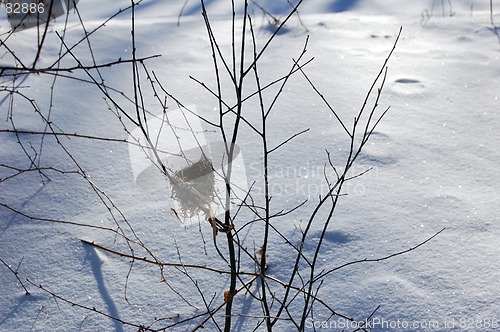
{"x":245,"y":310}
{"x":96,"y":264}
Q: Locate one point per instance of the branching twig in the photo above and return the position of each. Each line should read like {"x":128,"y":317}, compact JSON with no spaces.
{"x":16,"y":274}
{"x":92,"y":309}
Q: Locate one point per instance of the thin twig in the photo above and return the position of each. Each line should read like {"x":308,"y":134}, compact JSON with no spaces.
{"x":93,"y":309}
{"x":16,"y":274}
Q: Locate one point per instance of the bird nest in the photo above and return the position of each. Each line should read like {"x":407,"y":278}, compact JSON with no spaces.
{"x":193,"y":187}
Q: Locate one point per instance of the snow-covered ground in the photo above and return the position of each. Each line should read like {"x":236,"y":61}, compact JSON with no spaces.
{"x":434,"y":159}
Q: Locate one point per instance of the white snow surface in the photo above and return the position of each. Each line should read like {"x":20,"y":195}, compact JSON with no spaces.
{"x":434,"y":155}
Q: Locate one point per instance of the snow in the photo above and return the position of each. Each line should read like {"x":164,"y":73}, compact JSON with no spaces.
{"x":434,"y":159}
